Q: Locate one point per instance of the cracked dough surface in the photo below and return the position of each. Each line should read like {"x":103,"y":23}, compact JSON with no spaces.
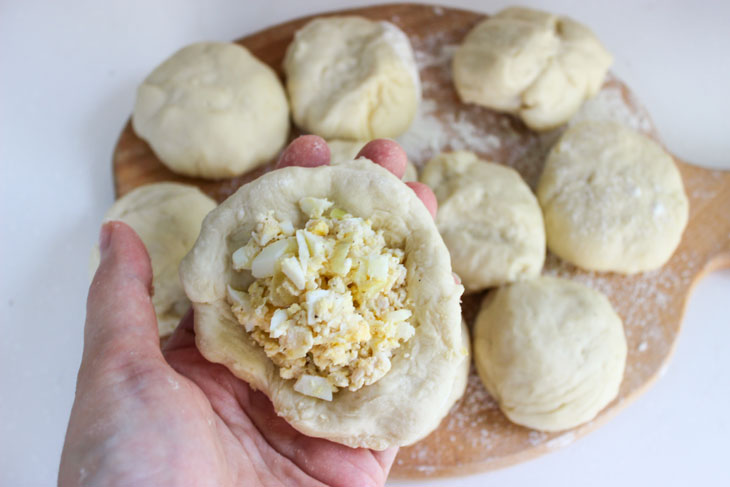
{"x":534,"y":64}
{"x":412,"y":398}
{"x":352,"y":78}
{"x":613,"y":199}
{"x":489,"y":219}
{"x":551,"y":351}
{"x":167,"y":217}
{"x":212,"y":110}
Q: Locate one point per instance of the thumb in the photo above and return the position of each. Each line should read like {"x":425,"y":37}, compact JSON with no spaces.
{"x":120,"y":318}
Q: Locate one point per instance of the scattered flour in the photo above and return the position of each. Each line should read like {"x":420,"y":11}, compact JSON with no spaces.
{"x":614,"y":104}
{"x":536,"y":437}
{"x":561,"y":441}
{"x":475,"y":431}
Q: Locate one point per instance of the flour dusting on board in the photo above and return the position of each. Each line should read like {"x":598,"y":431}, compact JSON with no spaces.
{"x":641,"y":300}
{"x":472,"y":413}
{"x":475,"y":424}
{"x":444,"y":124}
{"x":612,"y":103}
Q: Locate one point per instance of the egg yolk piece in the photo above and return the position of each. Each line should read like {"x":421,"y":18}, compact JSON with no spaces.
{"x":329,"y":304}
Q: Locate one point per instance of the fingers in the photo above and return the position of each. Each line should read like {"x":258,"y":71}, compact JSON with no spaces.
{"x":312,"y":151}
{"x":328,"y":462}
{"x":386,"y":458}
{"x":386,"y":153}
{"x":391,"y":156}
{"x":305,"y":151}
{"x":120,"y":317}
{"x":425,"y":194}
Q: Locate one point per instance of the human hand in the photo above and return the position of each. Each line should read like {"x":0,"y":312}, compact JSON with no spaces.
{"x":150,"y":416}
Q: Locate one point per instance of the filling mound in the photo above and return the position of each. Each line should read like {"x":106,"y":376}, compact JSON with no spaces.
{"x":329,"y":303}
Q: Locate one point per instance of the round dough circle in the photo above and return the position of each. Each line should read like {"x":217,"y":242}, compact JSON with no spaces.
{"x":530,"y":63}
{"x":212,"y":110}
{"x":342,"y":150}
{"x":613,"y":200}
{"x":551,"y":351}
{"x":489,"y":219}
{"x":352,"y":78}
{"x":167,"y":218}
{"x":418,"y":391}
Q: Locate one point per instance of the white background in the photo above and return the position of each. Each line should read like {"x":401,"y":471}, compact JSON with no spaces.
{"x":68,"y":73}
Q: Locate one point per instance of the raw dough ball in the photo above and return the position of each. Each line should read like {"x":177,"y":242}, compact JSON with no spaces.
{"x":352,"y":78}
{"x":167,"y":217}
{"x":551,"y":352}
{"x":530,"y":63}
{"x":613,"y":199}
{"x":488,"y":218}
{"x":410,"y":400}
{"x":212,"y":110}
{"x":346,"y":150}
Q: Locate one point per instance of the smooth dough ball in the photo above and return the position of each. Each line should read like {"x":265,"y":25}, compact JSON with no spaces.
{"x":342,"y":150}
{"x":489,"y":219}
{"x":613,"y":200}
{"x":530,"y":63}
{"x":427,"y":372}
{"x":550,"y":351}
{"x":352,"y":78}
{"x":212,"y":110}
{"x":167,"y":217}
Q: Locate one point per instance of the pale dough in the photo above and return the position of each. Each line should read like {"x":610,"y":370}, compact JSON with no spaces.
{"x":167,"y":217}
{"x":345,"y":150}
{"x":352,"y":78}
{"x":613,"y":200}
{"x":489,"y":219}
{"x":550,"y":351}
{"x":212,"y":110}
{"x":530,"y":63}
{"x":418,"y":391}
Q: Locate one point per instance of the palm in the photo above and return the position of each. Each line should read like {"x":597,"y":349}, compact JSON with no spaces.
{"x":143,"y":416}
{"x":243,"y":434}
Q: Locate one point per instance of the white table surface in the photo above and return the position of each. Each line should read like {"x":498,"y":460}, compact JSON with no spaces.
{"x":68,"y":73}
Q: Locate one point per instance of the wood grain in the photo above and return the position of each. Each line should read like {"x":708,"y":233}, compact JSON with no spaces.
{"x":475,"y":436}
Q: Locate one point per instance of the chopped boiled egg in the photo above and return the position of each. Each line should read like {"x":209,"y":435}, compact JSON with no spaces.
{"x":264,"y":264}
{"x":314,"y":207}
{"x":293,"y":270}
{"x":315,"y":386}
{"x":243,"y":257}
{"x":329,"y":304}
{"x":278,"y":324}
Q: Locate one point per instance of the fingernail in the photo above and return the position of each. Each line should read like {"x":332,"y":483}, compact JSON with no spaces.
{"x":105,"y":237}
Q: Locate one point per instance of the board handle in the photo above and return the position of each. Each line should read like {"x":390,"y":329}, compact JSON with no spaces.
{"x":708,"y":232}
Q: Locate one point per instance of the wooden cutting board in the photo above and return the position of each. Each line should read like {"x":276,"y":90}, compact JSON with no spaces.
{"x":476,"y":436}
